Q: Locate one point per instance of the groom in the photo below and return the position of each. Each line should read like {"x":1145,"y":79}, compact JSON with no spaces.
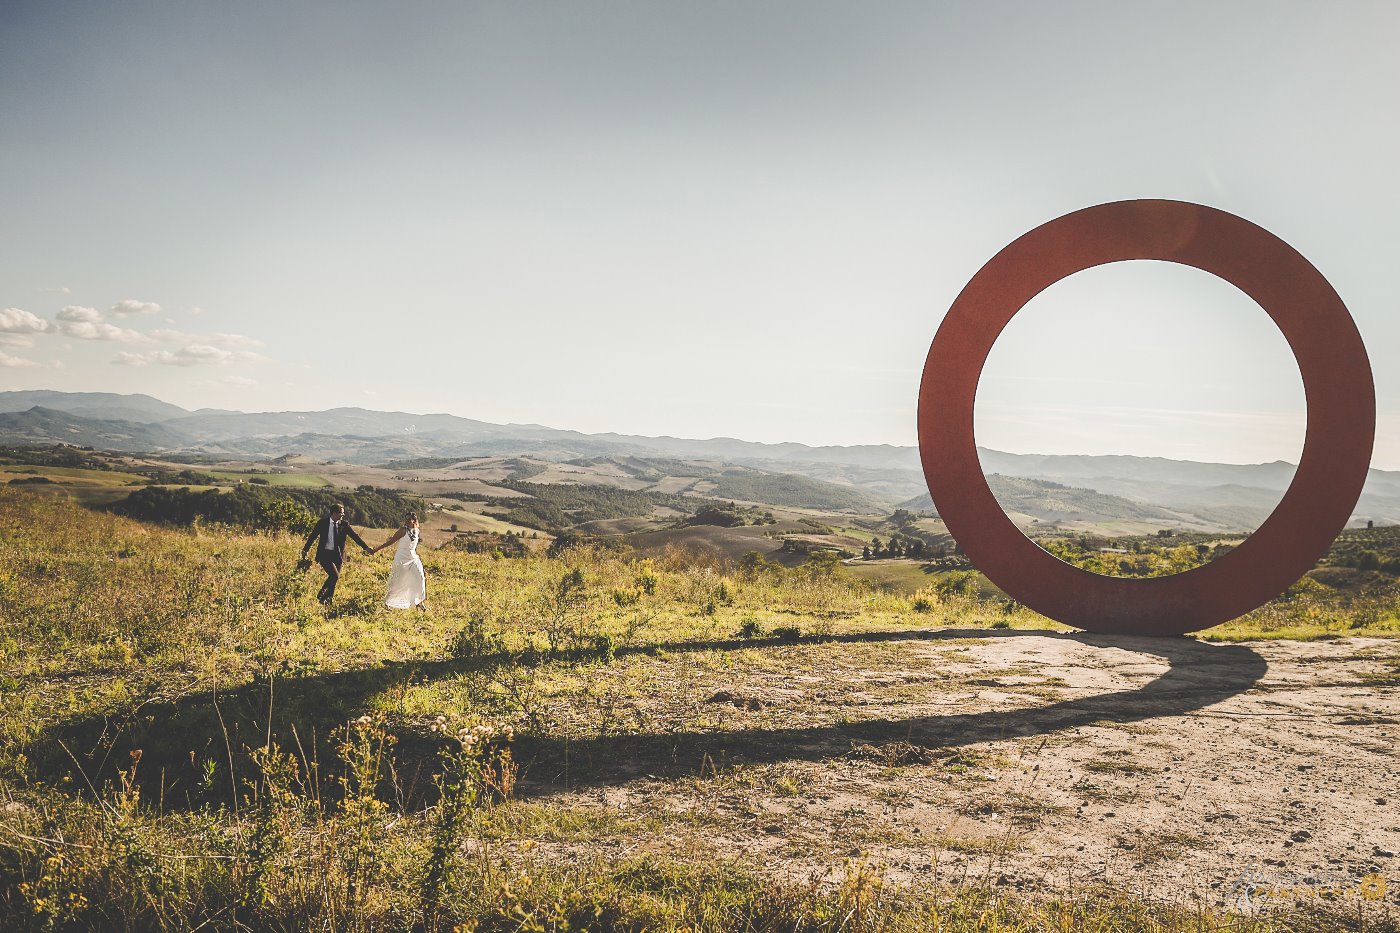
{"x":330,"y":535}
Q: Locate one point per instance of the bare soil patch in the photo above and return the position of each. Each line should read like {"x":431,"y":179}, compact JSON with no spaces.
{"x":1032,"y":760}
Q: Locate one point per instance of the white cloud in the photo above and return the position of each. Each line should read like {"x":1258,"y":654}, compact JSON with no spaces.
{"x":62,"y":290}
{"x":87,"y":324}
{"x":77,"y":314}
{"x":200,"y":353}
{"x":170,"y":335}
{"x":234,"y":340}
{"x":15,"y":340}
{"x":83,"y":330}
{"x":131,"y":306}
{"x":19,"y":321}
{"x":15,"y":362}
{"x":194,"y":354}
{"x":239,"y":381}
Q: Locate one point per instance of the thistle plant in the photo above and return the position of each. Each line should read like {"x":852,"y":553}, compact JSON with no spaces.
{"x":476,"y":763}
{"x":365,"y":753}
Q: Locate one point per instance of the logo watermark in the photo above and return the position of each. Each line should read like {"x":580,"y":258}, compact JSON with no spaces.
{"x":1257,"y":889}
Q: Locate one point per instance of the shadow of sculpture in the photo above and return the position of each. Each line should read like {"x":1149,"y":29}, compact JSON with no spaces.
{"x":194,"y":747}
{"x":1198,"y":675}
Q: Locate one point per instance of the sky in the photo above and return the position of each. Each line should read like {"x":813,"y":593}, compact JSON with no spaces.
{"x":739,"y":219}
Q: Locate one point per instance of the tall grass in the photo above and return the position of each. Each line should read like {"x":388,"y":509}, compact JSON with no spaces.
{"x":188,"y":741}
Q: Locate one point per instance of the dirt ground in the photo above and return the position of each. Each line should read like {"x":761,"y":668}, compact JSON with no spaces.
{"x":1173,"y":768}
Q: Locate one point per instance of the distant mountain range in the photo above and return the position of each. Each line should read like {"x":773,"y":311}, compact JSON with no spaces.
{"x":1096,"y":488}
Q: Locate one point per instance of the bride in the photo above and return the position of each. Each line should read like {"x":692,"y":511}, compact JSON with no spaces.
{"x":407,"y":584}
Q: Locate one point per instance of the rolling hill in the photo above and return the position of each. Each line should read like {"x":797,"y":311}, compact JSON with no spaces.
{"x":851,"y":478}
{"x":40,"y":425}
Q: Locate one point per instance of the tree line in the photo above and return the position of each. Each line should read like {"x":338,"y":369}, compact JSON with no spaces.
{"x":263,"y":507}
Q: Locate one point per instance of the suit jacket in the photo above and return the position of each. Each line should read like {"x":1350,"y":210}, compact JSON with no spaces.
{"x":342,"y":534}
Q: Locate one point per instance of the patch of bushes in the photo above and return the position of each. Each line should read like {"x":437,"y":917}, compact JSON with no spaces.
{"x":244,"y":506}
{"x":750,"y":628}
{"x":60,"y":455}
{"x":555,"y":507}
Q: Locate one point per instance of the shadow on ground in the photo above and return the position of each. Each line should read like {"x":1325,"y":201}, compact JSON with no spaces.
{"x":194,"y":748}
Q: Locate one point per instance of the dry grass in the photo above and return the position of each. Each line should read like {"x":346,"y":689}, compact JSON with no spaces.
{"x":187,"y":739}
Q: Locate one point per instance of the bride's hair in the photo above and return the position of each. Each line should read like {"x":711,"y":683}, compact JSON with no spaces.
{"x":412,"y":517}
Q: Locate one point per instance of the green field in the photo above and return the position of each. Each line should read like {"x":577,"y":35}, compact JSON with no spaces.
{"x":186,"y":737}
{"x":300,"y":480}
{"x":908,"y":577}
{"x":71,"y":474}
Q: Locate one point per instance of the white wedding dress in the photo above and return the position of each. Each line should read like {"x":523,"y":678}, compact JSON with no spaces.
{"x":407,"y":585}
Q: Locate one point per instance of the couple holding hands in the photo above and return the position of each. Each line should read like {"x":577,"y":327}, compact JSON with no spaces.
{"x":408,"y":587}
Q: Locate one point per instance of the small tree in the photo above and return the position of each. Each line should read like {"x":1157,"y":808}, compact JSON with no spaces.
{"x":752,"y":564}
{"x":285,"y":515}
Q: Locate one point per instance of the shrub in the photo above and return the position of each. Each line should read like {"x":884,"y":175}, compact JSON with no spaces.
{"x":625,"y":598}
{"x":286,"y":515}
{"x":604,"y":647}
{"x":474,"y":641}
{"x":957,"y":583}
{"x":750,"y":628}
{"x":646,"y":578}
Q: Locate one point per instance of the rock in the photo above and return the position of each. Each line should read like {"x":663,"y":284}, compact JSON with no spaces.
{"x":1301,"y":835}
{"x":736,"y":699}
{"x":1378,"y":852}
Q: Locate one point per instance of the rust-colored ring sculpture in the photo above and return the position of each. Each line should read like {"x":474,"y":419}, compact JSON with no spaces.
{"x":1341,"y":417}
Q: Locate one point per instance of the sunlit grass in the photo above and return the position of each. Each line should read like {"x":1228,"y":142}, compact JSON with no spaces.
{"x":198,"y":647}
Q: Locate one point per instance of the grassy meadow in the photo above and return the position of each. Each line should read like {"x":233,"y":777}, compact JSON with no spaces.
{"x":188,"y":741}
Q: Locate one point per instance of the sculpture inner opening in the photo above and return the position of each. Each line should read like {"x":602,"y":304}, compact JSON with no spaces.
{"x":1140,"y":418}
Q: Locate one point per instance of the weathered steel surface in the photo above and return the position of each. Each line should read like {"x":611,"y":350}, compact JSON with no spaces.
{"x":1341,"y":416}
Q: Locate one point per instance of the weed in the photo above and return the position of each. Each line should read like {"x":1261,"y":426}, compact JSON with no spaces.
{"x":363,"y":752}
{"x":475,"y":762}
{"x":473,"y":642}
{"x":750,"y":628}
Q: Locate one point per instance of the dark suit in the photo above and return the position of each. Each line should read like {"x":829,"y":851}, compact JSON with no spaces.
{"x":331,"y":558}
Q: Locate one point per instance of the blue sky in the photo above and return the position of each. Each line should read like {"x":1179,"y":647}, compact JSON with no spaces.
{"x":740,"y":219}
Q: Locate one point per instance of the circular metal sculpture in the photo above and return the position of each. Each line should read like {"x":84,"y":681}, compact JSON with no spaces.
{"x":1341,"y":417}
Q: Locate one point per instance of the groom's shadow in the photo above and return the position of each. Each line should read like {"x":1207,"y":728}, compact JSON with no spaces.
{"x":194,"y":747}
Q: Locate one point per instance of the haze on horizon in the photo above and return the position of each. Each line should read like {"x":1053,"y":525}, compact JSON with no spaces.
{"x":738,"y":220}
